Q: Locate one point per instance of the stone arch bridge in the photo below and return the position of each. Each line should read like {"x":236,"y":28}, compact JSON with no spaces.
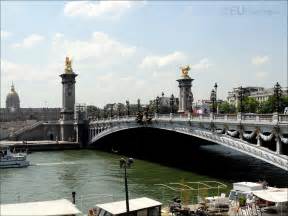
{"x":260,"y":136}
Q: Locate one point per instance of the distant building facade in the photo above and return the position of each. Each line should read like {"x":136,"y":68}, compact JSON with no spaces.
{"x":262,"y":96}
{"x":13,"y":111}
{"x":259,"y":93}
{"x":12,"y":100}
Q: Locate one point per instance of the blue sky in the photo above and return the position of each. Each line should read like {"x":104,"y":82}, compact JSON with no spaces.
{"x":129,"y":50}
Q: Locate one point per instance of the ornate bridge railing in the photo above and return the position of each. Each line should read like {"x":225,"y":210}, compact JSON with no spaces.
{"x":234,"y":134}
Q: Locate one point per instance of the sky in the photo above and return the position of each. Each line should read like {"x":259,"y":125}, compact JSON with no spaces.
{"x":134,"y":49}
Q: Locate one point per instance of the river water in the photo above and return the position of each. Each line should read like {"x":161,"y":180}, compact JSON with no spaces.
{"x":96,"y":176}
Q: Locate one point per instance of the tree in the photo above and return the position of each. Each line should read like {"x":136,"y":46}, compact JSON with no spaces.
{"x":93,"y":112}
{"x":269,"y":105}
{"x":225,"y":107}
{"x":250,"y":105}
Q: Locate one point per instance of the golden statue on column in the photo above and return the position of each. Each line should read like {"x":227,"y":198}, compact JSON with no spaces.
{"x":68,"y":65}
{"x":184,"y":71}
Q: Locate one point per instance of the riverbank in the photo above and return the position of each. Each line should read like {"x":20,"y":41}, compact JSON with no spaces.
{"x":41,"y":145}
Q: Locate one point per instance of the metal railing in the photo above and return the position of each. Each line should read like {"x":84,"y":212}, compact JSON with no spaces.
{"x":204,"y":117}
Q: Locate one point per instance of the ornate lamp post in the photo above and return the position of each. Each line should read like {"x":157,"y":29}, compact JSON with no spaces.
{"x":118,"y":109}
{"x":172,"y":99}
{"x":215,"y":87}
{"x":241,"y":97}
{"x":277,"y":95}
{"x":157,"y":104}
{"x":126,"y":163}
{"x":213,"y":99}
{"x":128,"y":107}
{"x":138,"y":105}
{"x":111,"y":110}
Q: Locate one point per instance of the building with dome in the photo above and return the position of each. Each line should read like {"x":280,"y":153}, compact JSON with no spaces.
{"x":12,"y":100}
{"x":14,"y":112}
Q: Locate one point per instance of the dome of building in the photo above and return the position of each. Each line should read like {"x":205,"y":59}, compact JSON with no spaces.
{"x":12,"y":100}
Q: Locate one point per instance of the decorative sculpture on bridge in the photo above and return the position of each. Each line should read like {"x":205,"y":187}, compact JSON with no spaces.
{"x":184,"y":71}
{"x":185,"y":94}
{"x":68,"y":65}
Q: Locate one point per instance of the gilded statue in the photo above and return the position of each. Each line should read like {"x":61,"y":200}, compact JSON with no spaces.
{"x":185,"y":70}
{"x":68,"y":65}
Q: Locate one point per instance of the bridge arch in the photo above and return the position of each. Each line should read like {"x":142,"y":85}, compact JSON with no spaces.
{"x":204,"y":133}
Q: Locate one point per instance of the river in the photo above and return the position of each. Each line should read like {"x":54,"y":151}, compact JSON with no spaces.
{"x":96,"y":176}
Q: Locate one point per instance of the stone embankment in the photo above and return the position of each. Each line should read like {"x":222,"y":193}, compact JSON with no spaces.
{"x":43,"y":145}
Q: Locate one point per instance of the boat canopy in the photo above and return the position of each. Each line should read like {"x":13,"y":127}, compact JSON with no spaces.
{"x":119,"y":207}
{"x":273,"y":194}
{"x":59,"y":207}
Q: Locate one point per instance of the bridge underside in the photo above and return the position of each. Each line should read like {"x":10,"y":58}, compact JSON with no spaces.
{"x":166,"y":145}
{"x":186,"y":152}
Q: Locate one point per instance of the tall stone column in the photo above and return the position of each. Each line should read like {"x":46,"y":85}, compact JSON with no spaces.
{"x":68,"y":102}
{"x":185,"y":94}
{"x":278,"y":144}
{"x":258,"y":137}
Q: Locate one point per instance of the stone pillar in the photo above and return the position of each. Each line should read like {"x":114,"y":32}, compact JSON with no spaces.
{"x":241,"y":131}
{"x":68,"y":102}
{"x":275,"y":117}
{"x":259,"y":141}
{"x":278,"y":144}
{"x":239,"y":116}
{"x":185,"y":95}
{"x":211,"y":116}
{"x":156,"y":116}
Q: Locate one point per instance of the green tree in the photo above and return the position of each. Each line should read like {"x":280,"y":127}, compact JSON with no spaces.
{"x":225,"y":107}
{"x":269,"y":105}
{"x":250,"y":105}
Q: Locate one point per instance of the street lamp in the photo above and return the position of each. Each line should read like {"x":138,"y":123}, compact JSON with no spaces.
{"x":157,"y":104}
{"x":118,"y":109}
{"x":213,"y":99}
{"x":215,"y":87}
{"x":241,"y":96}
{"x":111,"y":110}
{"x":128,"y":108}
{"x":126,"y":163}
{"x":172,"y":103}
{"x":138,"y":105}
{"x":277,"y":95}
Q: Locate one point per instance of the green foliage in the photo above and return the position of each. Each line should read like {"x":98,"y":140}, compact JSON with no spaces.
{"x":250,"y":105}
{"x":225,"y":107}
{"x":242,"y":201}
{"x":269,"y":105}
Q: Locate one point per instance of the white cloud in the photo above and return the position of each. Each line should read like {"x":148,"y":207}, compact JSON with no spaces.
{"x":5,"y":34}
{"x":99,"y":8}
{"x":30,"y":41}
{"x":160,"y":61}
{"x":261,"y":75}
{"x":101,"y":48}
{"x":14,"y":71}
{"x":203,"y":64}
{"x":259,"y":60}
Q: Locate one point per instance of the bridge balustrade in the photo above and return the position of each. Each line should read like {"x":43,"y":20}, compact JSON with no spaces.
{"x":231,"y":117}
{"x":202,"y":128}
{"x":283,"y":118}
{"x":265,"y":117}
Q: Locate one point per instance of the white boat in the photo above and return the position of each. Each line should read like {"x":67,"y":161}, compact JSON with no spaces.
{"x":61,"y":207}
{"x":12,"y":160}
{"x":141,"y":206}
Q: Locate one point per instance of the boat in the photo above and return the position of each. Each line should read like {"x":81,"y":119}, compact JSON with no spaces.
{"x":9,"y":159}
{"x":61,"y":207}
{"x":140,"y":206}
{"x":258,"y":198}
